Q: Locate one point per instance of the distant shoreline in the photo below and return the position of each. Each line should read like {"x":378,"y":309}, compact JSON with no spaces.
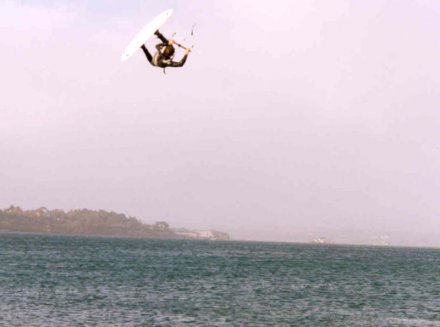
{"x":85,"y":222}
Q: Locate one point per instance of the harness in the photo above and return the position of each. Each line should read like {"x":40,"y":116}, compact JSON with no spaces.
{"x":159,"y":60}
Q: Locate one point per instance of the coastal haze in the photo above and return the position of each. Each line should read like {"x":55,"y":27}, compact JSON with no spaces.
{"x":291,"y":121}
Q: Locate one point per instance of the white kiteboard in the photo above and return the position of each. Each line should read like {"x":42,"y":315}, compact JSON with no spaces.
{"x":145,"y":34}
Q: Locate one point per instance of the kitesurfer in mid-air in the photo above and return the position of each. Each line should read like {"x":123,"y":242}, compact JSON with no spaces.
{"x":165,"y":53}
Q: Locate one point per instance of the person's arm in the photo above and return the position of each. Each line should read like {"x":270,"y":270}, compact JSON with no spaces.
{"x":182,"y":61}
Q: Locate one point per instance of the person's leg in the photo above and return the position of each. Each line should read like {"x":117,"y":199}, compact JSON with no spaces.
{"x":147,"y":54}
{"x":161,"y":37}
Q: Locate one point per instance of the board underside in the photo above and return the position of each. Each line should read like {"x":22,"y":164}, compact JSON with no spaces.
{"x":146,"y":32}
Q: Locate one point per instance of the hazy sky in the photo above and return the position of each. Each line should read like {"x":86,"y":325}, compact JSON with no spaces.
{"x":290,"y":120}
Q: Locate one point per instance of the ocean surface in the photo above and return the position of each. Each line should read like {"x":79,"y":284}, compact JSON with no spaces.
{"x":94,"y":281}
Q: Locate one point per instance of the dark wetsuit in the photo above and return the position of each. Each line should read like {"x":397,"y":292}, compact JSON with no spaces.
{"x":164,"y":55}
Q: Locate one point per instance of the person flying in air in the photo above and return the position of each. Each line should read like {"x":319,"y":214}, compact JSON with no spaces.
{"x":165,"y":53}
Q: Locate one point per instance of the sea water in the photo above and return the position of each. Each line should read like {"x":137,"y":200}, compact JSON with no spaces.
{"x":94,"y":281}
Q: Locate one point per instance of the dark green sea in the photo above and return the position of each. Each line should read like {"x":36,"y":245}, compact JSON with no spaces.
{"x":93,"y":281}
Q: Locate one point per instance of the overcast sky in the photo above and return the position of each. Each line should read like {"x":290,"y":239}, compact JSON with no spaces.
{"x":290,"y":120}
